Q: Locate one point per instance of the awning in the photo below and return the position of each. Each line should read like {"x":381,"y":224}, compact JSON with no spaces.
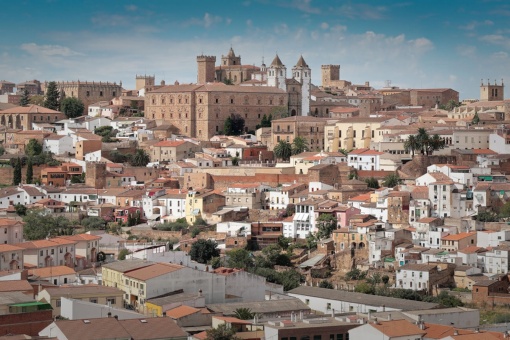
{"x":301,"y":217}
{"x":153,"y":217}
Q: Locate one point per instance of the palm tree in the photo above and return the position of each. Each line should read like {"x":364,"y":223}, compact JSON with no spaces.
{"x":299,"y":145}
{"x":411,"y":144}
{"x":435,"y":143}
{"x":244,"y":313}
{"x":140,"y":158}
{"x":283,"y":150}
{"x":423,"y":139}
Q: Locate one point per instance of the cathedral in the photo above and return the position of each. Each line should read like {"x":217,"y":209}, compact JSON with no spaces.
{"x":200,"y":110}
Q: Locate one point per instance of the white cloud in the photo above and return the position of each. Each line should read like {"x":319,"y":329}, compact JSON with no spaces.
{"x":422,"y":44}
{"x":112,"y":20}
{"x":466,"y":50}
{"x":131,"y":8}
{"x":281,"y":29}
{"x":474,"y":24}
{"x":360,"y":11}
{"x":48,"y":50}
{"x":496,"y":39}
{"x":500,"y":55}
{"x":324,"y":25}
{"x":207,"y":21}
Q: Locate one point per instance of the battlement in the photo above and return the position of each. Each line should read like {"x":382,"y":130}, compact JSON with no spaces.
{"x":145,"y":76}
{"x":495,"y":83}
{"x":78,"y":82}
{"x":329,"y":67}
{"x":206,"y":58}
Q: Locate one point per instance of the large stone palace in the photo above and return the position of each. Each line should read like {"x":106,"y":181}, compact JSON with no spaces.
{"x":89,"y":92}
{"x":200,"y":110}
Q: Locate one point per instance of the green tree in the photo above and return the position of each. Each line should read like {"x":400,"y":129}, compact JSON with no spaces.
{"x":30,"y":171}
{"x":299,"y":145}
{"x":385,"y":279}
{"x":364,"y":288}
{"x":52,"y":97}
{"x":283,"y":150}
{"x":222,"y":332}
{"x":123,"y":253}
{"x":37,"y":100}
{"x":266,"y":121}
{"x":72,"y":107}
{"x":355,"y":274}
{"x":326,"y":224}
{"x":25,"y":98}
{"x":325,"y":284}
{"x":476,"y":119}
{"x":372,"y":183}
{"x":93,"y":223}
{"x":16,"y":178}
{"x":450,"y":105}
{"x":2,"y":150}
{"x":235,"y":161}
{"x":234,"y":125}
{"x":311,"y":241}
{"x":204,"y":250}
{"x":140,"y":158}
{"x":411,"y":144}
{"x":33,"y":148}
{"x":435,"y":143}
{"x":103,"y":130}
{"x":38,"y":224}
{"x":391,"y":180}
{"x":195,"y":231}
{"x":423,"y":140}
{"x":228,"y":81}
{"x":21,"y":209}
{"x":487,"y":216}
{"x":244,"y":313}
{"x":278,"y":112}
{"x":239,"y":258}
{"x":504,"y":211}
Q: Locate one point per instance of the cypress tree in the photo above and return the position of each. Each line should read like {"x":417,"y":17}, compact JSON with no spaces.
{"x":25,"y":98}
{"x":30,"y":171}
{"x":16,"y":178}
{"x":52,"y":97}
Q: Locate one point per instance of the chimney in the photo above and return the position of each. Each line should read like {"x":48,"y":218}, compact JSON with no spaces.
{"x":422,"y":325}
{"x":300,"y":315}
{"x":333,"y":313}
{"x":383,"y":308}
{"x":116,"y":317}
{"x":455,"y":332}
{"x":389,"y":317}
{"x":200,"y":292}
{"x":369,"y":315}
{"x":164,"y":314}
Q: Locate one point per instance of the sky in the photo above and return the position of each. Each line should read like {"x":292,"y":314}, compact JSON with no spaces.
{"x":409,"y":44}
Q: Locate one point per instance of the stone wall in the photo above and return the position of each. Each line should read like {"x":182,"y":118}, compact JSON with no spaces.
{"x":7,"y":173}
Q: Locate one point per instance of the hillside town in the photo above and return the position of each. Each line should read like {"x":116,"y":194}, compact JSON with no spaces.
{"x":253,"y":204}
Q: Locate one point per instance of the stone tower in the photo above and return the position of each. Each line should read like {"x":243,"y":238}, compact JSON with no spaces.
{"x":230,"y":59}
{"x":95,"y":174}
{"x":206,"y":69}
{"x":491,"y":92}
{"x":330,"y":75}
{"x":303,"y":74}
{"x":277,"y":74}
{"x":144,"y":81}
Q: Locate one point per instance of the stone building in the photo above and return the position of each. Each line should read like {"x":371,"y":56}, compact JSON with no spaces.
{"x":330,"y":76}
{"x":492,"y":92}
{"x":309,"y":128}
{"x":22,"y":117}
{"x":231,"y":69}
{"x":89,"y":92}
{"x":201,"y":110}
{"x":33,"y":87}
{"x":6,"y":87}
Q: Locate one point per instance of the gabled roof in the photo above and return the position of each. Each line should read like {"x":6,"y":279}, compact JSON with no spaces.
{"x":460,"y":236}
{"x":29,"y":109}
{"x":51,"y":271}
{"x":152,"y":271}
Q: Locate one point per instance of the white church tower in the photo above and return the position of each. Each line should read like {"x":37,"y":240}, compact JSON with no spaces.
{"x":303,"y":74}
{"x":277,"y":74}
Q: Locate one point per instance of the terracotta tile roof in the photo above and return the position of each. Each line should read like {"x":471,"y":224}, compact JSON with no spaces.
{"x":82,"y":237}
{"x":460,"y":236}
{"x":9,"y":247}
{"x":7,"y":222}
{"x":15,"y":286}
{"x":44,"y":243}
{"x":427,"y":220}
{"x":152,"y":271}
{"x":181,"y":311}
{"x":361,"y":198}
{"x":30,"y":109}
{"x":398,"y":328}
{"x":420,"y":192}
{"x":51,"y":271}
{"x":365,"y":152}
{"x":472,"y":250}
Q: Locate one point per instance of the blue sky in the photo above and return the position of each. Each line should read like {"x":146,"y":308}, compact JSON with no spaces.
{"x":416,"y":44}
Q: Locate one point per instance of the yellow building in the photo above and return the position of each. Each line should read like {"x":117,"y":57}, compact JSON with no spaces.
{"x":352,"y":133}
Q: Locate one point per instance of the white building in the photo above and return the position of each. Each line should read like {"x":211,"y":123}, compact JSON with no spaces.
{"x":58,"y":144}
{"x":458,"y":173}
{"x":364,"y":159}
{"x":489,"y":238}
{"x":497,"y":260}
